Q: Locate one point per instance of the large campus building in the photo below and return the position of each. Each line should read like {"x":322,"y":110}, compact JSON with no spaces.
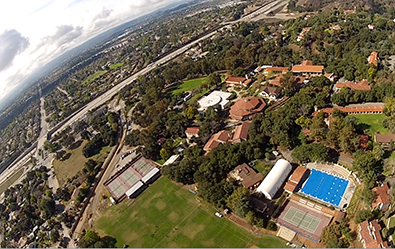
{"x":245,"y":108}
{"x":214,"y":98}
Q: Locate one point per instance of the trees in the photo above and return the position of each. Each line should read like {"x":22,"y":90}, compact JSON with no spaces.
{"x":363,"y":215}
{"x":318,"y":127}
{"x":239,"y":201}
{"x":310,"y":153}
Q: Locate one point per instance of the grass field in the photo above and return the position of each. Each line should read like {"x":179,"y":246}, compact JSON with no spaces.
{"x":263,"y":168}
{"x":189,"y":85}
{"x":10,"y":181}
{"x":371,"y":122}
{"x":70,"y":167}
{"x":93,"y":77}
{"x":116,"y":66}
{"x":166,"y":215}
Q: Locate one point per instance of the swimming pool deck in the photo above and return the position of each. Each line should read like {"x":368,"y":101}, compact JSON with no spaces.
{"x":339,"y":171}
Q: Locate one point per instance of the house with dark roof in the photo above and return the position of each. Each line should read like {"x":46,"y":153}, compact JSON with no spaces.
{"x":241,"y":133}
{"x":381,"y":199}
{"x":384,"y":139}
{"x":217,"y":139}
{"x":270,"y":92}
{"x":370,"y":235}
{"x":244,"y":108}
{"x":362,"y":85}
{"x":308,"y":69}
{"x":296,"y":179}
{"x":246,"y":175}
{"x":238,"y":81}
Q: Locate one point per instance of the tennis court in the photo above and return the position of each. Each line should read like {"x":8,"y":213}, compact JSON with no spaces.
{"x":325,"y":187}
{"x":128,"y":177}
{"x":302,"y":219}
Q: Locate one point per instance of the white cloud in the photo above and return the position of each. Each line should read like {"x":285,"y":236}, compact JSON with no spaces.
{"x":34,"y":32}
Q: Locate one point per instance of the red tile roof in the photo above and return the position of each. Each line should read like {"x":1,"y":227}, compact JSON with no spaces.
{"x":295,"y":179}
{"x":381,"y":195}
{"x":370,"y":234}
{"x":349,"y":11}
{"x":276,"y":69}
{"x":372,"y":59}
{"x":238,"y":81}
{"x":353,"y":109}
{"x":217,"y":139}
{"x":363,"y":141}
{"x":363,"y":85}
{"x":307,"y":69}
{"x":248,"y":175}
{"x":246,"y":107}
{"x":241,"y":132}
{"x":192,"y":130}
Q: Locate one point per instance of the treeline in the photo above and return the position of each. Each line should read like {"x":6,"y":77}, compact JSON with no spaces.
{"x":378,"y":93}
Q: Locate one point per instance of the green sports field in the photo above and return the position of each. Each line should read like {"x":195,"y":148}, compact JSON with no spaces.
{"x":189,"y":85}
{"x":372,"y":122}
{"x":166,"y":215}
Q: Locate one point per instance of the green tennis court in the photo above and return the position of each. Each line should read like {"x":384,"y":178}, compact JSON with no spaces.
{"x":302,"y":219}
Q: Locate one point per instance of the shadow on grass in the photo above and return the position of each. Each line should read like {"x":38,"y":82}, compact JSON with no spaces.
{"x":361,"y":128}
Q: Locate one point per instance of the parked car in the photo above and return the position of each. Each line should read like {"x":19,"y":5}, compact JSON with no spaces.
{"x":218,"y":214}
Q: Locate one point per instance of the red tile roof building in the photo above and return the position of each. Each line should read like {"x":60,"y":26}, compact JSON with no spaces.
{"x":373,"y":58}
{"x":307,"y":68}
{"x":275,"y":70}
{"x":246,"y":175}
{"x":217,"y":139}
{"x":370,"y":235}
{"x":349,"y":11}
{"x":238,"y":81}
{"x":192,"y":132}
{"x":354,"y":110}
{"x":299,"y":80}
{"x":294,"y":181}
{"x":241,"y":133}
{"x":382,"y":199}
{"x":363,"y":85}
{"x":246,"y":107}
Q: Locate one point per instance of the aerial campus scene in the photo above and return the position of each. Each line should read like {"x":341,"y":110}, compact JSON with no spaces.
{"x":197,"y":123}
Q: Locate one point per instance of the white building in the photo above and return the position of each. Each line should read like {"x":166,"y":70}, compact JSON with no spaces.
{"x":214,"y":98}
{"x":275,"y":178}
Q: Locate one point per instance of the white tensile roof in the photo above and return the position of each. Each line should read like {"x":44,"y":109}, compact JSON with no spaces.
{"x":216,"y":97}
{"x":275,"y":178}
{"x":133,"y":189}
{"x":150,"y":174}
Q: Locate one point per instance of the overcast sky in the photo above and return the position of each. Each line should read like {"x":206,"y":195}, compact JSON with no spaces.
{"x":33,"y":32}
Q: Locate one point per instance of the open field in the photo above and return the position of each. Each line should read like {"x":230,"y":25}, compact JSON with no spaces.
{"x":116,"y":66}
{"x":167,"y":215}
{"x":262,"y":167}
{"x":10,"y":181}
{"x":70,"y":167}
{"x":189,"y":85}
{"x":371,"y":122}
{"x":93,"y":77}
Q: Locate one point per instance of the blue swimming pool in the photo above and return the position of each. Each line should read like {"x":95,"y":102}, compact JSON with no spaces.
{"x":325,"y":187}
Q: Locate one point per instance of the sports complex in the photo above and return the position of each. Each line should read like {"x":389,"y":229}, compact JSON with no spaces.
{"x":318,"y":201}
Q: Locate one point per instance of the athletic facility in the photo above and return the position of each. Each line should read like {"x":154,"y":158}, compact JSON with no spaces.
{"x":305,"y":218}
{"x":131,"y":178}
{"x":325,"y":187}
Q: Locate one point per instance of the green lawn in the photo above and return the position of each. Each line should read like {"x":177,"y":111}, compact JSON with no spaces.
{"x":10,"y":181}
{"x":93,"y":77}
{"x":189,"y":85}
{"x":116,"y":66}
{"x":263,"y":168}
{"x":166,"y":215}
{"x":372,"y":122}
{"x":392,"y":225}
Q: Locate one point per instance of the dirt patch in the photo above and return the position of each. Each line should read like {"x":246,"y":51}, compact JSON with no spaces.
{"x":160,"y":205}
{"x":173,"y":217}
{"x":192,"y":230}
{"x":209,"y":243}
